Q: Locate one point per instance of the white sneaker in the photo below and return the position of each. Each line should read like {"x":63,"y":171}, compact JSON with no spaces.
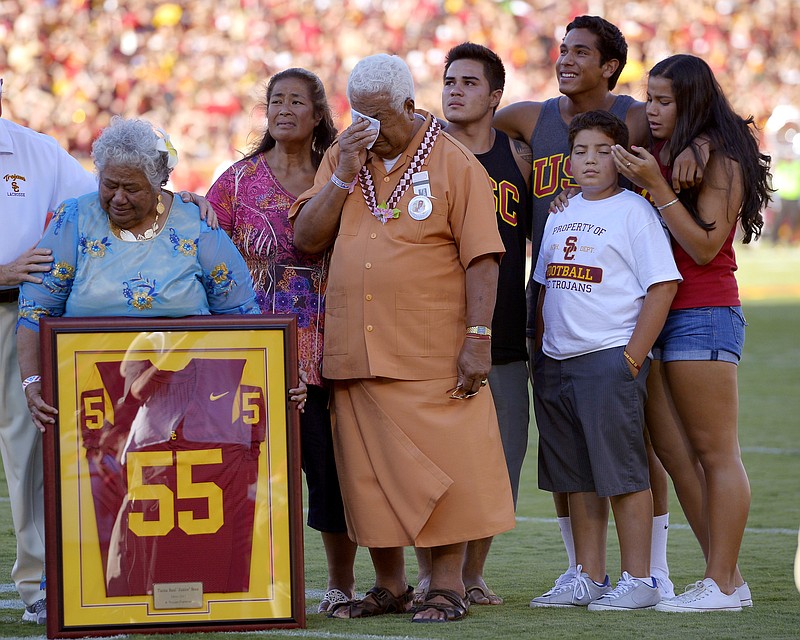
{"x":703,"y":596}
{"x":567,"y":576}
{"x":563,"y":579}
{"x":629,"y":594}
{"x":665,"y":586}
{"x":577,"y":591}
{"x":37,"y":612}
{"x":745,"y":597}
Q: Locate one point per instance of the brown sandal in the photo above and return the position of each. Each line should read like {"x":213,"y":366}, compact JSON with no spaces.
{"x":477,"y":593}
{"x":456,"y":610}
{"x":376,"y":602}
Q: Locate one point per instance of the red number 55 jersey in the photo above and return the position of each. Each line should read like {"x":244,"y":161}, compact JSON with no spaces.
{"x":173,"y":461}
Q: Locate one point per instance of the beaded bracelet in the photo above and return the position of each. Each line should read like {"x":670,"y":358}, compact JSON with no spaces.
{"x":669,"y":204}
{"x":628,"y":357}
{"x":30,"y":380}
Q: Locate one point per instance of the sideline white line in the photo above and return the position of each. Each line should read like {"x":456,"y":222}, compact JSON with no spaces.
{"x":306,"y":633}
{"x":773,"y":451}
{"x":678,"y":526}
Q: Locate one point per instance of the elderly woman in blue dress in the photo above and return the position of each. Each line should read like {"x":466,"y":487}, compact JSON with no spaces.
{"x":130,"y":249}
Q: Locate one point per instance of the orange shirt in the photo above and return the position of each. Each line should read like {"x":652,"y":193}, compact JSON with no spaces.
{"x":396,"y":300}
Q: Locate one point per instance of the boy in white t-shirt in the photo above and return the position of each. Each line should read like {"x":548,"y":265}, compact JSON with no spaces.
{"x":608,"y":279}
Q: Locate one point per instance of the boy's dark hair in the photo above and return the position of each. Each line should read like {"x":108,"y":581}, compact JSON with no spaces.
{"x":610,"y":42}
{"x":603,"y":121}
{"x":493,"y":67}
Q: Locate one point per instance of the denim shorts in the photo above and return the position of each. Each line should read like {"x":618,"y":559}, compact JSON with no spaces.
{"x":702,"y":333}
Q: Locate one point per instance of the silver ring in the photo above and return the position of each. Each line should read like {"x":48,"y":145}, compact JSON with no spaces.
{"x":628,"y":164}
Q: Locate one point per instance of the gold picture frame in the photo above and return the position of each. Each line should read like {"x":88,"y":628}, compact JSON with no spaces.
{"x":173,"y":495}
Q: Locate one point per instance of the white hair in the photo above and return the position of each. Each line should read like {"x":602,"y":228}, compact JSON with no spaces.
{"x":382,"y":74}
{"x":131,"y":143}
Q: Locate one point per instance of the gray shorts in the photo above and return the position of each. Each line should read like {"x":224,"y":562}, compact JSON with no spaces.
{"x":590,"y":415}
{"x":509,"y":385}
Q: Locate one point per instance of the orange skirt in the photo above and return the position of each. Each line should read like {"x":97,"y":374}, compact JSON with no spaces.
{"x":417,"y":468}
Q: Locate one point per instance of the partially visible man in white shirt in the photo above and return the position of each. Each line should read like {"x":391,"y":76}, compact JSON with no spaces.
{"x":36,"y":175}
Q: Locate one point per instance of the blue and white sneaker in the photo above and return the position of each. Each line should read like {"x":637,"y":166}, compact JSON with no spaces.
{"x":629,"y":594}
{"x":577,"y":591}
{"x":665,"y":586}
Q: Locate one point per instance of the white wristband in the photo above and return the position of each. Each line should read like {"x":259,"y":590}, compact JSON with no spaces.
{"x":340,"y":183}
{"x":30,"y":380}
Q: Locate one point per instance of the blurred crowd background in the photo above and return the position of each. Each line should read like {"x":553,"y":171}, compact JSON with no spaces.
{"x":198,"y":68}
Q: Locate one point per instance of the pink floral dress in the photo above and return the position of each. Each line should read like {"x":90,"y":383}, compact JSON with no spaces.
{"x":252,"y":207}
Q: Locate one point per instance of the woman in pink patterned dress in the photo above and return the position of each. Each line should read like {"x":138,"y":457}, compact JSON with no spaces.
{"x":252,"y":200}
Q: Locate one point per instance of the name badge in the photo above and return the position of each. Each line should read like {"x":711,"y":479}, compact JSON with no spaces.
{"x":420,"y":207}
{"x":421,"y":184}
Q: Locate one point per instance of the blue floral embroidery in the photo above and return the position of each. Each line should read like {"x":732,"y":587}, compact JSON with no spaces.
{"x":59,"y":279}
{"x":30,"y":310}
{"x":220,"y":280}
{"x":94,"y":247}
{"x":58,"y":217}
{"x":63,"y":271}
{"x":140,"y":292}
{"x":185,"y":246}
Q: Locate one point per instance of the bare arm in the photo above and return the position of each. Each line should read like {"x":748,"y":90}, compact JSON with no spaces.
{"x":518,"y":120}
{"x":688,"y":170}
{"x":638,"y":127}
{"x":539,"y":319}
{"x":719,"y":202}
{"x":475,"y":358}
{"x":28,"y":356}
{"x":523,"y":156}
{"x":317,"y":222}
{"x":651,"y":321}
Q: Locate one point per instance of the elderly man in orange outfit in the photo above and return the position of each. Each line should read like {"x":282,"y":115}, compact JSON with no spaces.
{"x":409,"y":213}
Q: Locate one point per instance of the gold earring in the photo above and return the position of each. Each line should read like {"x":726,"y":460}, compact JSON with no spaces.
{"x":160,"y":206}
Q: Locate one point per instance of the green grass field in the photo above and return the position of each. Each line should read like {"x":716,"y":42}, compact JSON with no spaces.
{"x":524,"y":562}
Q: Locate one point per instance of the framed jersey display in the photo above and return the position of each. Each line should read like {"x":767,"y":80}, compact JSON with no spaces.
{"x":173,"y":497}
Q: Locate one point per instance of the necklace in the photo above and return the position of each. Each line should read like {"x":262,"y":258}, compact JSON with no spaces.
{"x":387,"y":210}
{"x":149,"y":234}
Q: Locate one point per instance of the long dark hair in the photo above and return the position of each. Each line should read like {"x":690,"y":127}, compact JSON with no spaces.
{"x":324,"y":133}
{"x":702,"y":109}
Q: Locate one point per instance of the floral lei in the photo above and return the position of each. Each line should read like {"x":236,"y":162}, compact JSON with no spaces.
{"x":387,"y":210}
